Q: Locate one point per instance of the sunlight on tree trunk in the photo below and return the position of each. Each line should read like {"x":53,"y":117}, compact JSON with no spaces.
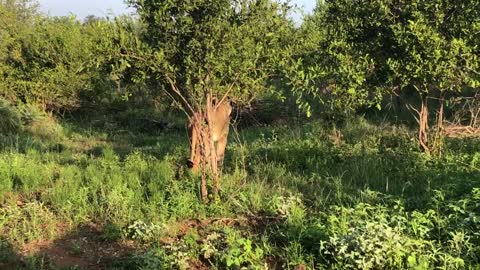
{"x":203,"y":151}
{"x":437,"y":147}
{"x":423,"y":125}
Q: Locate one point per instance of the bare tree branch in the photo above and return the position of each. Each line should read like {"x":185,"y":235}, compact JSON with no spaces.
{"x":228,"y":91}
{"x":177,"y":91}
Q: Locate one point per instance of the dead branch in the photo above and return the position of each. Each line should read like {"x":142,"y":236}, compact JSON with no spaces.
{"x":228,"y":91}
{"x":177,"y":91}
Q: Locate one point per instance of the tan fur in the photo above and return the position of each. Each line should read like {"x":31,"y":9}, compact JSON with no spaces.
{"x":220,"y":124}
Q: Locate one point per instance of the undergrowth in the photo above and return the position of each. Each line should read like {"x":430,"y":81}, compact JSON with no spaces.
{"x":359,"y":196}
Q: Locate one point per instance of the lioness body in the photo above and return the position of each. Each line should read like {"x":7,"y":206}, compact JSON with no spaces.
{"x":219,"y":122}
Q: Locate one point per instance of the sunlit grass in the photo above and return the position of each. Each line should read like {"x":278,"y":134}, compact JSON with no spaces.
{"x":305,"y":194}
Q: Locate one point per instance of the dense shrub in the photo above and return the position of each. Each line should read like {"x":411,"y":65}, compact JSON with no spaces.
{"x":10,"y":121}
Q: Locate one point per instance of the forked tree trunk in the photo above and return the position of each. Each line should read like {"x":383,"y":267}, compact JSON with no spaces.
{"x":423,"y":125}
{"x":206,"y":149}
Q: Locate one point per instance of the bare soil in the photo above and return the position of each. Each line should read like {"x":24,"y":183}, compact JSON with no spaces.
{"x":82,"y":248}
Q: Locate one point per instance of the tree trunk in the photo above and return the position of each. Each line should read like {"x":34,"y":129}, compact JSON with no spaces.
{"x":212,"y":153}
{"x":475,"y":110}
{"x":203,"y":145}
{"x":438,"y":142}
{"x":423,"y":125}
{"x":200,"y":130}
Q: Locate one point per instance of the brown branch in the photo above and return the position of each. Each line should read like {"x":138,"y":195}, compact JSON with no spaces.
{"x":411,"y":108}
{"x":175,"y":89}
{"x":228,"y":91}
{"x":176,"y":101}
{"x":184,"y":102}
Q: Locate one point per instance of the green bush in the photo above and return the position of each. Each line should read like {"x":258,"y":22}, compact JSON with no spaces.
{"x":10,"y":121}
{"x":380,"y":237}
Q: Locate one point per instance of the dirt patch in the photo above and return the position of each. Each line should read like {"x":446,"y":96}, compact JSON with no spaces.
{"x":82,"y":248}
{"x":179,"y":229}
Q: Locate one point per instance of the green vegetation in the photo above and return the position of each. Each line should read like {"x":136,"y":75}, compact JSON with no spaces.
{"x":93,"y":143}
{"x":350,"y":54}
{"x":359,"y":196}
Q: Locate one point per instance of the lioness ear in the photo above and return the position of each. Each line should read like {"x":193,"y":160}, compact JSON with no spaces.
{"x":229,"y":107}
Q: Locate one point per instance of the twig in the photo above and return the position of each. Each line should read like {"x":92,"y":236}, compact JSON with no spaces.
{"x":410,"y":107}
{"x":228,"y":91}
{"x":175,"y":89}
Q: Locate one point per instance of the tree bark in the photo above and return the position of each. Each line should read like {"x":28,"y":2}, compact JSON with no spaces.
{"x":211,"y":145}
{"x":200,"y":141}
{"x":203,"y":146}
{"x":423,"y":124}
{"x":438,"y":142}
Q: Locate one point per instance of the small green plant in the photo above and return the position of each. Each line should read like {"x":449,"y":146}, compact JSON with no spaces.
{"x":76,"y":248}
{"x":209,"y":247}
{"x":112,"y":232}
{"x":290,"y":207}
{"x":241,"y":251}
{"x":142,"y":231}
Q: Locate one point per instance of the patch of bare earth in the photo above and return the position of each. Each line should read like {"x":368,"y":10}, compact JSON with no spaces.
{"x":82,"y":248}
{"x":177,"y":231}
{"x":85,"y":249}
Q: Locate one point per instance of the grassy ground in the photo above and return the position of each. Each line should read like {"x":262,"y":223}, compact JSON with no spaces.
{"x":113,"y":193}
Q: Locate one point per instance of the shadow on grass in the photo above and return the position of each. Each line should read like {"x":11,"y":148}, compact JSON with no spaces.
{"x":342,"y":174}
{"x":9,"y":258}
{"x":133,"y":130}
{"x":82,"y":248}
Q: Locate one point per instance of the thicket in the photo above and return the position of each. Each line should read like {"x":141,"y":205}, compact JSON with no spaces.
{"x":59,"y":63}
{"x":353,"y":54}
{"x":330,"y":194}
{"x":342,"y":59}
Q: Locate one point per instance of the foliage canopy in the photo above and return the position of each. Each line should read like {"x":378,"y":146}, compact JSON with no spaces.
{"x":221,"y":47}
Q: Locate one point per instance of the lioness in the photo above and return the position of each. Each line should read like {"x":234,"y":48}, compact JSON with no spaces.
{"x":220,"y":120}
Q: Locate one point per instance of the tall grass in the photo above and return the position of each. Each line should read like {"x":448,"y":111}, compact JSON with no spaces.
{"x":310,"y":194}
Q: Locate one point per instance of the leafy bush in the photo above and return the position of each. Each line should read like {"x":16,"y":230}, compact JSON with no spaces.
{"x":143,"y":232}
{"x":10,"y":121}
{"x":377,"y":237}
{"x":243,"y":252}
